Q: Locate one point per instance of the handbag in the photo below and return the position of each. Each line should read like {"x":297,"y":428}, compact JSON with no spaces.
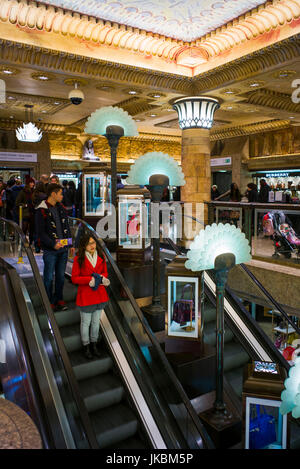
{"x":182,"y":308}
{"x":262,"y":430}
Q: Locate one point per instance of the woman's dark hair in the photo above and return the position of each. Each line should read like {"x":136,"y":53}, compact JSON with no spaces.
{"x":72,"y":185}
{"x":234,"y":191}
{"x":84,"y":240}
{"x":40,"y":187}
{"x":252,"y":186}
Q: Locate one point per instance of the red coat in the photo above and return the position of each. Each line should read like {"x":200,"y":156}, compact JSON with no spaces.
{"x":82,"y":277}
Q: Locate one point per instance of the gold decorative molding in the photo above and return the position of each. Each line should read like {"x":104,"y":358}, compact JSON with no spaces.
{"x":15,"y":102}
{"x":273,"y":99}
{"x":229,"y":132}
{"x":266,"y":19}
{"x":52,"y":60}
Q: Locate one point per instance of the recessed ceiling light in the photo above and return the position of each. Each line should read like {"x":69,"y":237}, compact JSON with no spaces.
{"x":292,"y":117}
{"x":132,"y":92}
{"x":11,"y":117}
{"x":44,"y":111}
{"x":42,"y":77}
{"x":170,"y":110}
{"x":7,"y":71}
{"x":229,"y":92}
{"x":156,"y":95}
{"x":229,"y":107}
{"x":137,"y":120}
{"x":11,"y":97}
{"x":56,"y":103}
{"x":253,"y":85}
{"x":153,"y":115}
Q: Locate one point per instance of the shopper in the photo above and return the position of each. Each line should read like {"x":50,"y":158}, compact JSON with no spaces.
{"x":2,"y":198}
{"x":90,"y":274}
{"x":69,"y":198}
{"x":54,"y":235}
{"x":78,"y":198}
{"x":251,"y":192}
{"x":44,"y":179}
{"x":214,"y":192}
{"x":235,"y":195}
{"x":24,"y":200}
{"x":263,"y":196}
{"x":54,"y":179}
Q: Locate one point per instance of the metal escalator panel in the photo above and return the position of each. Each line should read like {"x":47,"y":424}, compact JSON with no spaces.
{"x":167,"y":403}
{"x":69,"y":407}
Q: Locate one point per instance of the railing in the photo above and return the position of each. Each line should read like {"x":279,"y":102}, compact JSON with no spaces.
{"x":155,"y":369}
{"x":14,"y":244}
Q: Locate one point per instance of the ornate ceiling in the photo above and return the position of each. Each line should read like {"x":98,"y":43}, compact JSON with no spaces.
{"x":180,"y":19}
{"x":249,"y":64}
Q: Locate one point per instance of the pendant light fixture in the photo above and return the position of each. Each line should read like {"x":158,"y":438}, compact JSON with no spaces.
{"x":29,"y":132}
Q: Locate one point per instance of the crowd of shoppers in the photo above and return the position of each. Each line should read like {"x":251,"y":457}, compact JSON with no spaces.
{"x":252,"y":194}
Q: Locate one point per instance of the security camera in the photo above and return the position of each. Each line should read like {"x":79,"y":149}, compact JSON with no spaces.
{"x":76,"y":96}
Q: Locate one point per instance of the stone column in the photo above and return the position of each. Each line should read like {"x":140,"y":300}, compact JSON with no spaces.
{"x":195,"y":163}
{"x":196,"y":116}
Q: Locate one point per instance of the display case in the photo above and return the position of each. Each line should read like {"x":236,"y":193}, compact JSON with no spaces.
{"x":264,"y":427}
{"x":185,"y":300}
{"x":134,"y":226}
{"x":96,"y":192}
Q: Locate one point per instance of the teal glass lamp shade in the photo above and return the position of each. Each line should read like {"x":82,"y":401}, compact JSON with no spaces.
{"x":214,"y":241}
{"x":155,"y":163}
{"x":290,"y":397}
{"x":110,"y":116}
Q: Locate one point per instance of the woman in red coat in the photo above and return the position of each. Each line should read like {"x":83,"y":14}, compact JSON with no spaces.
{"x":89,"y":272}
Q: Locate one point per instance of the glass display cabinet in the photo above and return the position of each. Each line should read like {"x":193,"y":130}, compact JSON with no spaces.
{"x":264,"y":427}
{"x":96,"y":192}
{"x":134,"y":226}
{"x":185,"y":299}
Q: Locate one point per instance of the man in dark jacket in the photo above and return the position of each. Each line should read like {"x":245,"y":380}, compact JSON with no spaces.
{"x":263,"y":196}
{"x":55,"y":238}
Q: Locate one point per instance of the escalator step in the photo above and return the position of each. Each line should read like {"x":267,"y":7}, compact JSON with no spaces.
{"x":209,"y":314}
{"x":85,"y":369}
{"x":131,"y":443}
{"x":209,"y":332}
{"x":71,"y":337}
{"x":101,"y":391}
{"x":114,"y":425}
{"x":234,"y":356}
{"x":68,"y":317}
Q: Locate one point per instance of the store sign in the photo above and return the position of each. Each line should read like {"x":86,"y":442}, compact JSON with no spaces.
{"x":265,"y":367}
{"x":21,"y":157}
{"x":277,"y":175}
{"x":220,"y":161}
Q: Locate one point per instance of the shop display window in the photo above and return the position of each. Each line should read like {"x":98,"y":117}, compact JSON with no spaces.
{"x":94,"y":194}
{"x":183,"y":307}
{"x":130,"y":223}
{"x":276,"y":234}
{"x":147,"y":223}
{"x":265,"y":427}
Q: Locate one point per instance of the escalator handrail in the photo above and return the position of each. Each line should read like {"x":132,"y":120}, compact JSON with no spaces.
{"x":278,"y":307}
{"x":251,"y":323}
{"x":154,"y":342}
{"x":58,"y":339}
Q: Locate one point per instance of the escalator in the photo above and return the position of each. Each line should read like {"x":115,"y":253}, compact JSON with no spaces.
{"x":127,"y":398}
{"x":245,"y":338}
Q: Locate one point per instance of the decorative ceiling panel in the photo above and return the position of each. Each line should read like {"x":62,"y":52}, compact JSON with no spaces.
{"x":180,"y":19}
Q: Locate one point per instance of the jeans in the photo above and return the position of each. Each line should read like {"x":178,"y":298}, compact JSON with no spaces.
{"x":55,"y":263}
{"x":87,"y":320}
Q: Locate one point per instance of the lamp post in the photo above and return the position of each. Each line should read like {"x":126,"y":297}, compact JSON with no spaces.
{"x":113,"y":135}
{"x":155,"y":313}
{"x":223,"y":263}
{"x":219,"y":248}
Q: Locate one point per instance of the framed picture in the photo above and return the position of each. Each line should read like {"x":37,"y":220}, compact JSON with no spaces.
{"x":183,"y":307}
{"x":265,"y":427}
